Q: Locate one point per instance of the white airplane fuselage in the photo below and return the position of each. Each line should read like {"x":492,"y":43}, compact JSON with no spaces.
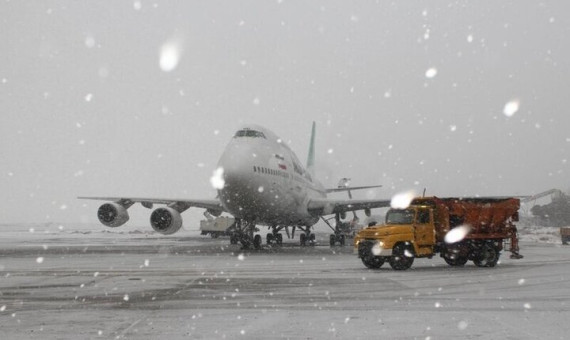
{"x":260,"y":181}
{"x":264,"y":182}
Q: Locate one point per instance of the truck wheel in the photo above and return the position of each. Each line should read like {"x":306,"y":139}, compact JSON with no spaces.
{"x":488,"y":256}
{"x":402,"y":257}
{"x":457,"y":261}
{"x":373,"y":262}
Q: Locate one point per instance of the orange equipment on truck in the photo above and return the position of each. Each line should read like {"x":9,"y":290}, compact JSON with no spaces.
{"x":459,"y":229}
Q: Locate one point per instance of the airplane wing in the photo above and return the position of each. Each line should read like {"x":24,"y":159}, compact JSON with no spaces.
{"x":213,"y":205}
{"x":351,"y":188}
{"x":331,"y":206}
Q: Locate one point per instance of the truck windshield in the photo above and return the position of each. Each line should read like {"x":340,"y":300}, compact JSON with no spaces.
{"x":400,"y":216}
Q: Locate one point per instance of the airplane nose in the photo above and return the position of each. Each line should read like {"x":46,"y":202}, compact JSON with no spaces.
{"x":237,"y":164}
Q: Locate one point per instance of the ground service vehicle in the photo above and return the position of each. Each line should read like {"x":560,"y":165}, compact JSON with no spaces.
{"x":479,"y":228}
{"x":215,"y":227}
{"x":554,"y":214}
{"x":565,"y":235}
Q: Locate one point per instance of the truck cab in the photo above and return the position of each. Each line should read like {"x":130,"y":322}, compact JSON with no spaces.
{"x":406,"y":233}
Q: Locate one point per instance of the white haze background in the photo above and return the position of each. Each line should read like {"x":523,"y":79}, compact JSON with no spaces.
{"x":139,"y":98}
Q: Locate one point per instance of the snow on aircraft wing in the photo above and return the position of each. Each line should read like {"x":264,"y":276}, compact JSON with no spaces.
{"x":214,"y":204}
{"x":331,"y":206}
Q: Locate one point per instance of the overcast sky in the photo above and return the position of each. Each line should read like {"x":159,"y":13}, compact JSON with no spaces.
{"x":139,"y":98}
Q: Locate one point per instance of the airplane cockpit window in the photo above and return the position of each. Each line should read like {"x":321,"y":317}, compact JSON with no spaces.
{"x":249,"y":133}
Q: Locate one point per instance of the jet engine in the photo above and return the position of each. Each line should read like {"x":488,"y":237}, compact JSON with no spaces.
{"x":166,"y":220}
{"x":112,"y":215}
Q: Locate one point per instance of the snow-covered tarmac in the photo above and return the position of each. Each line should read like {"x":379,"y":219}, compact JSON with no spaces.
{"x":68,"y":282}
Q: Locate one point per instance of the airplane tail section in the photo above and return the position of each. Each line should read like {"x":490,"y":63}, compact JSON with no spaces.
{"x":311,"y":157}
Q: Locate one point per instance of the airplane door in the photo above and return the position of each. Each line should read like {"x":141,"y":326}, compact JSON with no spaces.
{"x":424,"y":228}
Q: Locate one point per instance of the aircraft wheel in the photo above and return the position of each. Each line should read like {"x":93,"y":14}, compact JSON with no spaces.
{"x":233,"y":239}
{"x":270,"y":238}
{"x":332,"y":239}
{"x":257,"y":241}
{"x":279,"y":239}
{"x":303,"y":240}
{"x":341,"y":240}
{"x":312,"y":238}
{"x":402,"y":257}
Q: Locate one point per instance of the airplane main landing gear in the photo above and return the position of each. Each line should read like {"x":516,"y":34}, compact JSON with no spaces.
{"x":337,"y":238}
{"x":274,"y":239}
{"x":307,"y":237}
{"x":340,"y":234}
{"x":257,"y":241}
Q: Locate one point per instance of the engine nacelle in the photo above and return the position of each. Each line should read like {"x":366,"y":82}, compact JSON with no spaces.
{"x":166,"y":220}
{"x":112,"y":215}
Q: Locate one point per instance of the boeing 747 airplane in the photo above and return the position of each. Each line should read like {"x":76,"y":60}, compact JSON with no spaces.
{"x":260,"y":181}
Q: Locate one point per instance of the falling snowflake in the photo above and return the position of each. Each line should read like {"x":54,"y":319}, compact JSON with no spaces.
{"x":217,"y":179}
{"x":170,"y":54}
{"x":430,"y":73}
{"x":402,"y":200}
{"x":511,"y":107}
{"x":457,"y":234}
{"x":90,"y":42}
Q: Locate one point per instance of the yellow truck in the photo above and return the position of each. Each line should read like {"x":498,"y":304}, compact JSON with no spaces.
{"x":459,"y":229}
